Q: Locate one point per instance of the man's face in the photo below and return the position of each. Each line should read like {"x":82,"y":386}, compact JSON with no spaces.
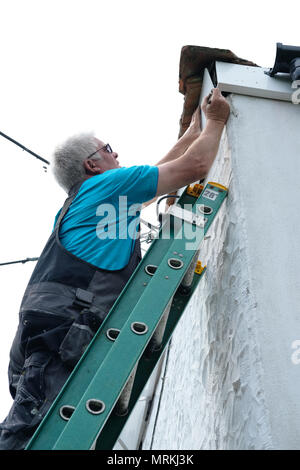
{"x":108,"y":159}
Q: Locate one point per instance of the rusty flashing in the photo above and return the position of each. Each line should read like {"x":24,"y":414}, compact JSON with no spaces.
{"x":193,"y":61}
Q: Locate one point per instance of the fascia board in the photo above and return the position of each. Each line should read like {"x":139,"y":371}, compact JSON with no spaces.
{"x":252,"y":81}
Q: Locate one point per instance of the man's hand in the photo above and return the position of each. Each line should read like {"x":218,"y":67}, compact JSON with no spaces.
{"x":192,"y":156}
{"x":215,"y":107}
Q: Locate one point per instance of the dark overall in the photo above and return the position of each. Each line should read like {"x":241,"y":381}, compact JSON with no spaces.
{"x":64,"y":304}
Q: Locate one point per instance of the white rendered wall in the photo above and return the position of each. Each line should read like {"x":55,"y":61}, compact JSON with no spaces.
{"x":232,"y":376}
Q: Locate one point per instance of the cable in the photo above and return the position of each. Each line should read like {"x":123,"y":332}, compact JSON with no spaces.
{"x":164,"y":197}
{"x":24,"y":148}
{"x":43,"y":160}
{"x":163,"y":380}
{"x":20,"y":261}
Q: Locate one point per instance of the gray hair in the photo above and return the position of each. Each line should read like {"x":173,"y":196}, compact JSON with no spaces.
{"x":68,"y":157}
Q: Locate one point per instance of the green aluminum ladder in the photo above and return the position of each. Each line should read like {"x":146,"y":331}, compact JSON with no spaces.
{"x":98,"y":397}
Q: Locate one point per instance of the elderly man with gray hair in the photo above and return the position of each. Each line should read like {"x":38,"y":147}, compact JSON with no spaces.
{"x":89,"y":257}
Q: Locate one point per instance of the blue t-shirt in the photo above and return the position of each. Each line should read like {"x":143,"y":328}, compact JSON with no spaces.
{"x":100,"y":226}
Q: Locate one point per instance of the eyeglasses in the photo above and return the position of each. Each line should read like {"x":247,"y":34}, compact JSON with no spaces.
{"x":106,"y":148}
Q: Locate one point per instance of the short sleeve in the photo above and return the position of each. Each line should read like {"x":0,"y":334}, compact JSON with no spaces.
{"x":138,"y":183}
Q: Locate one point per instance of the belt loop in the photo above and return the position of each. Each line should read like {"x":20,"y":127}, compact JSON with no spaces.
{"x":83,"y":298}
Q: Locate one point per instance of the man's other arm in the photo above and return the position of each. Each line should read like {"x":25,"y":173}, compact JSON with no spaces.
{"x":182,"y":144}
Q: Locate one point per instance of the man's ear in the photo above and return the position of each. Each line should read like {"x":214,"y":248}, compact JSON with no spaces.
{"x":90,"y":167}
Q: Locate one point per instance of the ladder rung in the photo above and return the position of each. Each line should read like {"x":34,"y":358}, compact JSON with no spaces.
{"x":188,"y":278}
{"x":156,"y":340}
{"x":121,"y":407}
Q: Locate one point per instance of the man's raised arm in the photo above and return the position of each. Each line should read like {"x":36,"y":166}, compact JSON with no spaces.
{"x":185,"y":141}
{"x":196,"y":161}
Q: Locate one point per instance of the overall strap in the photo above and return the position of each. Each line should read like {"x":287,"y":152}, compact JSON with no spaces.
{"x":72,"y":194}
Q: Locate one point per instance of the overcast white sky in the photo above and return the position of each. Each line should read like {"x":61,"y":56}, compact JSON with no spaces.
{"x":111,"y":67}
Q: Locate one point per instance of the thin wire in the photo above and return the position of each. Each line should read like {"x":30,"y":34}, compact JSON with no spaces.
{"x":24,"y":148}
{"x":164,"y":197}
{"x":163,"y":380}
{"x":19,"y":261}
{"x":43,"y":160}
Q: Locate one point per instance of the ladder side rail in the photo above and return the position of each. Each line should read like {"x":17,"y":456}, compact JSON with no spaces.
{"x":132,"y":355}
{"x":117,"y":366}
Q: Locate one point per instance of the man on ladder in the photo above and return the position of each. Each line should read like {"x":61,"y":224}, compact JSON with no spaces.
{"x":86,"y":263}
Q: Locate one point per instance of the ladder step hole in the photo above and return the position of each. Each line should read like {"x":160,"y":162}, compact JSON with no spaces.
{"x":205,"y":209}
{"x":175,"y":263}
{"x":66,"y":412}
{"x":150,"y":269}
{"x":112,"y":333}
{"x":139,"y":328}
{"x":95,"y":406}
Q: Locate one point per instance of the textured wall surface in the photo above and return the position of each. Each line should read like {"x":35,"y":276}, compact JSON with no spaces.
{"x":212,"y":398}
{"x":230,"y":382}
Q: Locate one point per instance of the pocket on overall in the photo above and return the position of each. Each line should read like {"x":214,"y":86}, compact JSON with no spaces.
{"x":42,"y":331}
{"x":75,"y":343}
{"x":80,"y":335}
{"x":30,"y":394}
